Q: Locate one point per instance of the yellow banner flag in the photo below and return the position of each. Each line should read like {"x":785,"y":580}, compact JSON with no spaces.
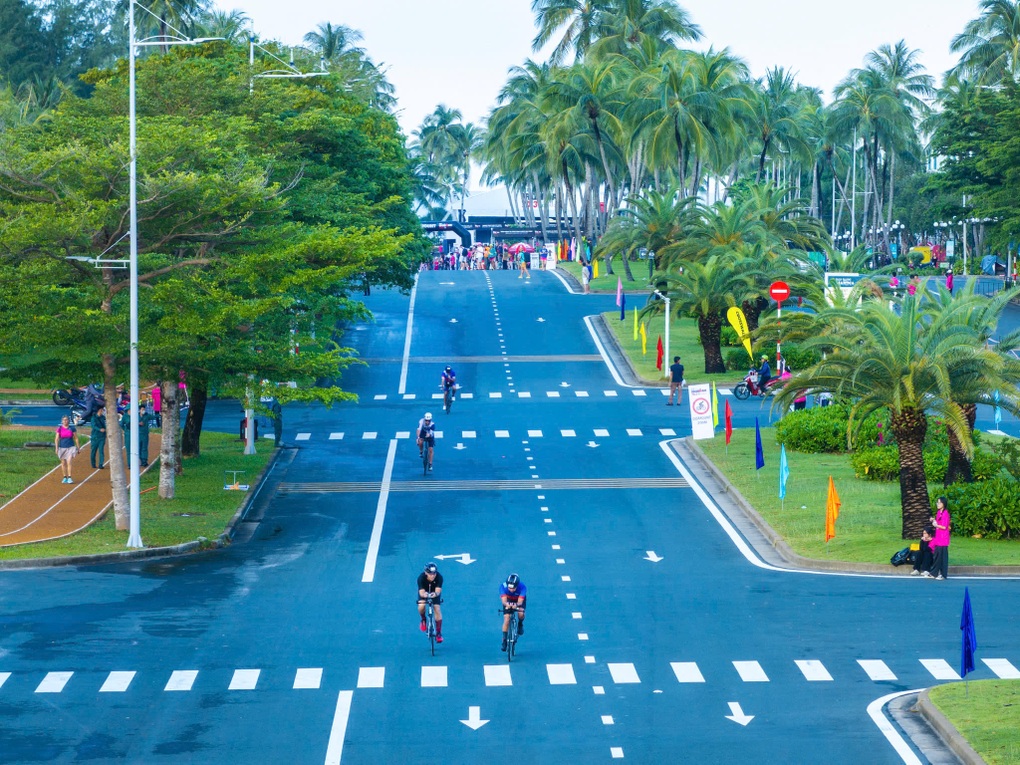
{"x":739,"y":322}
{"x":635,"y":323}
{"x":715,"y":406}
{"x":594,"y":268}
{"x":832,"y":504}
{"x":644,"y":340}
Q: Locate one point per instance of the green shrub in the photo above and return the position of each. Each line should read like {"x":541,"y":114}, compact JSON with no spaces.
{"x":1008,"y":452}
{"x":985,"y":509}
{"x":729,"y":338}
{"x":817,"y":430}
{"x":985,"y":465}
{"x":737,"y":360}
{"x":877,"y":463}
{"x":799,"y":359}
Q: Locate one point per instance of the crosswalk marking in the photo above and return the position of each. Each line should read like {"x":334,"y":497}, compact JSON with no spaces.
{"x":616,"y":752}
{"x":244,"y":680}
{"x":667,"y":431}
{"x":308,"y":678}
{"x":336,"y":436}
{"x":623,"y":673}
{"x":502,"y":434}
{"x":496,"y":394}
{"x":468,"y":434}
{"x":406,"y":434}
{"x":302,"y":436}
{"x":601,"y":433}
{"x":877,"y":669}
{"x":497,"y":675}
{"x":1001,"y":667}
{"x":54,"y":682}
{"x":750,"y":672}
{"x":433,"y":677}
{"x":117,"y":682}
{"x":403,"y":434}
{"x":639,"y":392}
{"x":687,"y":672}
{"x":466,"y":396}
{"x":940,"y":669}
{"x":607,"y":720}
{"x":552,"y":394}
{"x":813,"y":670}
{"x":524,"y":394}
{"x":371,"y":677}
{"x":634,"y":432}
{"x":3,"y":678}
{"x":609,"y":393}
{"x":568,"y":433}
{"x":534,"y":434}
{"x":409,"y":397}
{"x":561,"y":674}
{"x":369,"y":435}
{"x":581,"y":393}
{"x":380,"y":397}
{"x":437,"y":396}
{"x":181,"y":680}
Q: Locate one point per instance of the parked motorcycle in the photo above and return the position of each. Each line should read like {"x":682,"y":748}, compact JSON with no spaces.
{"x":749,"y":386}
{"x":84,"y":402}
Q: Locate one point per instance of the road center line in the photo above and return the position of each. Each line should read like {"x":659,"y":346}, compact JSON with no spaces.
{"x":338,"y":732}
{"x":380,"y":514}
{"x":407,"y":338}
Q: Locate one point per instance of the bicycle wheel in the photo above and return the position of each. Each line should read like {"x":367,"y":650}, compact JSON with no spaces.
{"x":448,"y":400}
{"x":511,"y":638}
{"x":425,"y":460}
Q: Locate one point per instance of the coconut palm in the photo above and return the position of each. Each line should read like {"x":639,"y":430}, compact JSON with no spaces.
{"x":778,"y":117}
{"x":334,"y":43}
{"x":233,"y":26}
{"x":990,"y":44}
{"x":579,"y":21}
{"x":882,"y":357}
{"x":629,"y":22}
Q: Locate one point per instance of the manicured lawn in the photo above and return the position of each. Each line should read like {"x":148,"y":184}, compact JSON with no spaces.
{"x":987,"y":715}
{"x":21,"y":467}
{"x":868,"y":528}
{"x":607,"y":282}
{"x":202,"y":508}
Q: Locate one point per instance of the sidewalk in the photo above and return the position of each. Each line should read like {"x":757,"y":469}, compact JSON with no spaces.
{"x":49,"y":509}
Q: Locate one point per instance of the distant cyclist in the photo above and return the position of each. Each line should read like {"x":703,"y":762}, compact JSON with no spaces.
{"x":448,"y":381}
{"x":430,"y":587}
{"x":512,"y":594}
{"x":426,"y":436}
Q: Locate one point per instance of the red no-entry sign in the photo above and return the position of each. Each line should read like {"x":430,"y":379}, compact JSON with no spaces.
{"x":779,"y":291}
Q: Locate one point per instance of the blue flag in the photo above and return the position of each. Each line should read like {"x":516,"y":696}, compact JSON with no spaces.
{"x":621,"y":299}
{"x":998,"y":411}
{"x":759,"y":455}
{"x":969,"y":636}
{"x":784,"y":472}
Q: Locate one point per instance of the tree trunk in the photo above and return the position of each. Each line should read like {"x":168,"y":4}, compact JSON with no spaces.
{"x":193,"y":425}
{"x":959,"y":468}
{"x":710,"y":329}
{"x":115,"y":443}
{"x":168,"y":466}
{"x":910,"y":427}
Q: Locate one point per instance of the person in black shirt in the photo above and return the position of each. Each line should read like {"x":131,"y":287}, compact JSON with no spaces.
{"x":676,"y":382}
{"x":430,"y":586}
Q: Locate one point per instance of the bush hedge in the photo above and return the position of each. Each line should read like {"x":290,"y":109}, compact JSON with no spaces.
{"x":822,"y":429}
{"x":986,"y":508}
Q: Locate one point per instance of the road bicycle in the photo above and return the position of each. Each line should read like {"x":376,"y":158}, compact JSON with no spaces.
{"x":511,"y":633}
{"x":448,"y":395}
{"x":430,"y":621}
{"x":425,"y":447}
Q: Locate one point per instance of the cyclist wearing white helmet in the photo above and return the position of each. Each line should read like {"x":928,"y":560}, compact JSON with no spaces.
{"x":426,"y":435}
{"x":513,"y":594}
{"x":430,"y":586}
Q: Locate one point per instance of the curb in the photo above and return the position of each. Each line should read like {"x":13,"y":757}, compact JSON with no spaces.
{"x":619,"y":358}
{"x":202,"y":543}
{"x":947,"y":731}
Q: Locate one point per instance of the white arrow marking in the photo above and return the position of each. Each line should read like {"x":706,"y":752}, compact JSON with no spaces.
{"x":564,"y":385}
{"x":592,"y":445}
{"x":652,"y":556}
{"x":737,"y":714}
{"x":474,"y":721}
{"x":540,"y":319}
{"x":460,"y":446}
{"x":447,"y":282}
{"x":464,"y":558}
{"x":453,"y":321}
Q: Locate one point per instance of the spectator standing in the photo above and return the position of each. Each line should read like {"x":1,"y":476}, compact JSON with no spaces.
{"x":277,"y":411}
{"x":65,"y":441}
{"x":949,"y":281}
{"x":940,"y":550}
{"x":157,"y":404}
{"x":676,"y":382}
{"x":524,"y":260}
{"x":97,"y":441}
{"x":585,"y":278}
{"x":915,"y":282}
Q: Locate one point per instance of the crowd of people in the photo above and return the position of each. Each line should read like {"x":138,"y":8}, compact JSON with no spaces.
{"x":485,"y":257}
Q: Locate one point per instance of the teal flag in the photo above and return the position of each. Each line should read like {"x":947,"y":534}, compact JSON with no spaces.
{"x":784,"y":472}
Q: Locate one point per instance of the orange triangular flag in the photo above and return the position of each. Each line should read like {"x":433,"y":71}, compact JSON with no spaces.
{"x":832,"y":504}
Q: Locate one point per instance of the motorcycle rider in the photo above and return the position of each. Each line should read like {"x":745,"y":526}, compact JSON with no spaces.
{"x":764,"y":375}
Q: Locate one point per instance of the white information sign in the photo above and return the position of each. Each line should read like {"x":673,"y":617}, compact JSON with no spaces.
{"x":700,"y":398}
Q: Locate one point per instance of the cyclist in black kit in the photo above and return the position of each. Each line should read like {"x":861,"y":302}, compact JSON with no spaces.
{"x":430,"y":586}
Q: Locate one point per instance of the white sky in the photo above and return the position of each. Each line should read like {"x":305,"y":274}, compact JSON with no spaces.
{"x":457,"y":52}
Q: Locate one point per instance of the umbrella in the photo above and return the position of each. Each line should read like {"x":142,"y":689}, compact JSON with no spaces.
{"x":521,"y":247}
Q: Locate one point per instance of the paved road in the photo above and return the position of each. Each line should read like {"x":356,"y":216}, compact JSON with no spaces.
{"x":301,"y":643}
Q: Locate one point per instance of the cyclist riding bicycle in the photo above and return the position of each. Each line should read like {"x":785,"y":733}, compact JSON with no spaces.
{"x":430,"y":587}
{"x":448,"y":381}
{"x":512,"y":594}
{"x":427,"y":435}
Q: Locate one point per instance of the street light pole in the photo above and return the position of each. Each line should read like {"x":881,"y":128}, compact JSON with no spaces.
{"x":134,"y":492}
{"x":666,"y":357}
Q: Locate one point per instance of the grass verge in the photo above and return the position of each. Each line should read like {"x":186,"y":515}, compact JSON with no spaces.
{"x":202,"y":508}
{"x":987,"y":714}
{"x":868,"y":528}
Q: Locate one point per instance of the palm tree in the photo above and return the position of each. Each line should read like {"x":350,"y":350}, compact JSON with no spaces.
{"x":778,"y":116}
{"x":467,"y":142}
{"x":232,"y":26}
{"x":334,"y":43}
{"x":882,"y":357}
{"x":579,"y":20}
{"x":990,"y":44}
{"x":705,"y":290}
{"x":630,"y":22}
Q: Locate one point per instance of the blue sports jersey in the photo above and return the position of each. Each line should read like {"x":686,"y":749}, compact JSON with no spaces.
{"x":513,"y":597}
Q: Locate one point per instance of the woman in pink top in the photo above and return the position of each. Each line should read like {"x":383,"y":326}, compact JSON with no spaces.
{"x":940,"y":545}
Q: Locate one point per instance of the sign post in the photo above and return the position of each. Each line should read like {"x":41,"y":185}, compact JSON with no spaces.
{"x":700,"y":397}
{"x":779,"y":291}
